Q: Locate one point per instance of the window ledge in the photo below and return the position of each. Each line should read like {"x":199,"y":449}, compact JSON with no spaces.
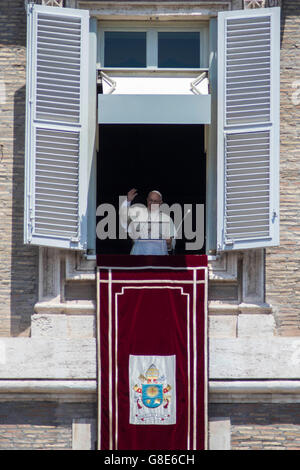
{"x":227,"y":308}
{"x":72,"y":307}
{"x":93,"y":257}
{"x":152,"y":69}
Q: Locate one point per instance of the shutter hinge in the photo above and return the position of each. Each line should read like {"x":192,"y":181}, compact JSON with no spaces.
{"x":196,"y":82}
{"x":28,"y":6}
{"x":112,"y":83}
{"x":274,"y":215}
{"x":30,"y":230}
{"x":30,"y":218}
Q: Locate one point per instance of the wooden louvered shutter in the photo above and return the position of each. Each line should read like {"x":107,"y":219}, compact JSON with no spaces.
{"x":248,"y":128}
{"x":56,"y":189}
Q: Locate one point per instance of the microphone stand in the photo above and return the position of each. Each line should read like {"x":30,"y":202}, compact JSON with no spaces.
{"x":180,"y":224}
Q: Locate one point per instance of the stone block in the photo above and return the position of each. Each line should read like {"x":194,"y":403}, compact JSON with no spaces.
{"x":63,"y":326}
{"x":222,"y":326}
{"x":219,"y":434}
{"x":255,"y":325}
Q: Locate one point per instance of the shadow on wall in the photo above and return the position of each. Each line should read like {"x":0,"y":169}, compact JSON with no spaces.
{"x":24,"y":259}
{"x":283,"y":17}
{"x":261,"y":426}
{"x":43,"y":425}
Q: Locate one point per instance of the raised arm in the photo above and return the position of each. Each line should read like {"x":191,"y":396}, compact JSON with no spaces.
{"x":131,"y":195}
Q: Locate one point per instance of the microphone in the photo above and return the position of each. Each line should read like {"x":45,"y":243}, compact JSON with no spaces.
{"x":178,"y":227}
{"x":187,"y":212}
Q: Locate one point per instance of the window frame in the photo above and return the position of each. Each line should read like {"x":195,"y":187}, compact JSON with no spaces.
{"x":152,"y":42}
{"x":209,"y":52}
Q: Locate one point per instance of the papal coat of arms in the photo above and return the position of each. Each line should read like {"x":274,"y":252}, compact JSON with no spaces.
{"x":152,"y":396}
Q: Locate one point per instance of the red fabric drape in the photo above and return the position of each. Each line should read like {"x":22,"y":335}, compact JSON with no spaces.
{"x":152,"y":306}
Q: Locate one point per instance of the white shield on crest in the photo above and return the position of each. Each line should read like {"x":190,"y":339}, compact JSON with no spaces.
{"x":152,"y":389}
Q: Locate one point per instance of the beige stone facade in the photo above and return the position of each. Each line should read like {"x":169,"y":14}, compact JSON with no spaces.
{"x":282,"y":263}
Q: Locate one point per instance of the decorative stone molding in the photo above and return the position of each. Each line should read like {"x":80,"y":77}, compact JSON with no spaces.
{"x":216,"y":307}
{"x":78,"y":268}
{"x":265,"y":391}
{"x":151,"y":10}
{"x":49,"y":274}
{"x":48,"y":390}
{"x":250,"y":4}
{"x":55,"y":267}
{"x":253,"y":276}
{"x":229,"y":391}
{"x":53,"y":3}
{"x":235,"y":308}
{"x":224,"y":268}
{"x":232,"y":391}
{"x":246,"y":269}
{"x":76,"y":307}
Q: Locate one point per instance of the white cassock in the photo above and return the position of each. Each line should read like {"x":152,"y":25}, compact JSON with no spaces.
{"x":149,"y":230}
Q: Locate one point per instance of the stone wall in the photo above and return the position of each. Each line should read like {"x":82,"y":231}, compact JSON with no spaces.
{"x":261,"y":426}
{"x":50,"y":426}
{"x":40,"y":425}
{"x":283,"y":263}
{"x":18,"y":263}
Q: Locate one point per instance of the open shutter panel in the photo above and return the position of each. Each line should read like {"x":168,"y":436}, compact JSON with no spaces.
{"x":248,"y":128}
{"x":56,"y":127}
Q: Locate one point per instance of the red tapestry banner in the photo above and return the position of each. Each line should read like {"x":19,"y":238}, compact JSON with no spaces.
{"x":152,"y":352}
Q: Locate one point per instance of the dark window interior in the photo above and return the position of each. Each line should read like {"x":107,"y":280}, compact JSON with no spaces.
{"x":178,"y":50}
{"x":168,"y":158}
{"x":125,"y":49}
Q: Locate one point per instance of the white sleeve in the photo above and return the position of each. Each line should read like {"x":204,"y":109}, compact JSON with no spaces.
{"x":123,"y":214}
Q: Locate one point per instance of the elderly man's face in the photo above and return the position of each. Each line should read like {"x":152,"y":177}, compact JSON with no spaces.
{"x":153,"y":201}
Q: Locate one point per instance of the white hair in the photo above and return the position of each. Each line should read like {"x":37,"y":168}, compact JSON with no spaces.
{"x":157,"y":192}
